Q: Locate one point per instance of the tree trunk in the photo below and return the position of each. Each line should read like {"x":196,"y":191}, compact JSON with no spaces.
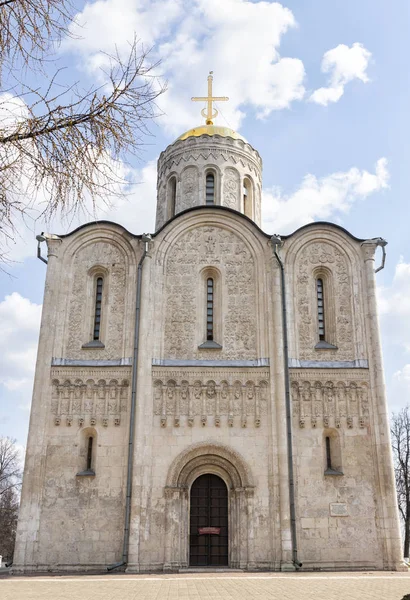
{"x":407,"y":533}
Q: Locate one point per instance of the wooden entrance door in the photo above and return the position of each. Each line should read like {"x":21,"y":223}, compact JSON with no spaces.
{"x":209,"y":508}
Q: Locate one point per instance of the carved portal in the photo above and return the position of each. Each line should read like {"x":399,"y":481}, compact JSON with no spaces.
{"x":230,"y":466}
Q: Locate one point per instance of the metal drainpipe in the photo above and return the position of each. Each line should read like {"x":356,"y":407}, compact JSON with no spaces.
{"x":146,"y":238}
{"x":276,"y":242}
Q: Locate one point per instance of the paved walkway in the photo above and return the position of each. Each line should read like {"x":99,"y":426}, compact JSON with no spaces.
{"x":212,"y":586}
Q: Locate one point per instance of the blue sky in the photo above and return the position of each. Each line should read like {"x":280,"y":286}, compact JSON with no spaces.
{"x":340,"y":154}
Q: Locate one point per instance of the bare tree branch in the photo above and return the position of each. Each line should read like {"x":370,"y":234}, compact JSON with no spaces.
{"x":400,"y":434}
{"x":60,"y":145}
{"x":30,"y":29}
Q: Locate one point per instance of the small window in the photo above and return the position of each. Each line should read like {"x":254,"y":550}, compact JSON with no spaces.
{"x":210,"y":310}
{"x":98,"y":308}
{"x":90,"y":454}
{"x":320,"y":309}
{"x":210,"y":189}
{"x":333,"y":462}
{"x":328,"y":454}
{"x":87,"y":453}
{"x":172,"y":195}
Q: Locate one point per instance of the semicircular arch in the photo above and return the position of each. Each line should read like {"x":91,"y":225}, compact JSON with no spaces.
{"x":210,"y":457}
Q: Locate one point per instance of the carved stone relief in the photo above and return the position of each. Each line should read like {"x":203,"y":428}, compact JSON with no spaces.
{"x":330,"y":403}
{"x":189,"y":196}
{"x":204,"y":401}
{"x":197,"y":248}
{"x":110,"y":257}
{"x":310,"y":258}
{"x":161,"y":207}
{"x":258,"y":205}
{"x":222,"y":154}
{"x":231,"y":196}
{"x":89,"y":401}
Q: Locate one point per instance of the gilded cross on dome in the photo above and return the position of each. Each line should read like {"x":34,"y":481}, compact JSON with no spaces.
{"x":209,"y":113}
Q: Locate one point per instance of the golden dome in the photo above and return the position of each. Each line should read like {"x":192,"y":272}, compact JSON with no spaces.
{"x":211,"y":130}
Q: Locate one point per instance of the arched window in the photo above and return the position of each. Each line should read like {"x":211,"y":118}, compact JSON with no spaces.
{"x":172,"y":195}
{"x":87,"y":452}
{"x":210,"y":310}
{"x":98,"y":308}
{"x":320,"y":309}
{"x":332,"y":452}
{"x":89,"y":466}
{"x":210,"y":189}
{"x":247,"y":198}
{"x":323,"y":298}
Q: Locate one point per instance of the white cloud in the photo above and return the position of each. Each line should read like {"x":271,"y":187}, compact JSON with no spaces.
{"x":135,"y":211}
{"x":394,"y":307}
{"x":394,"y":312}
{"x":19,"y":329}
{"x":237,"y":39}
{"x":343,"y":65}
{"x":320,"y":198}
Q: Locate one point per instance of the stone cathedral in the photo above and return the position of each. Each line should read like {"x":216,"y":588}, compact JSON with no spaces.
{"x":209,"y":395}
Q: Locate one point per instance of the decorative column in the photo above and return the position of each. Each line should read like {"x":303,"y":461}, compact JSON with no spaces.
{"x":233,"y":531}
{"x":172,"y":528}
{"x":279,"y":450}
{"x":242,"y":518}
{"x":388,"y":518}
{"x":249,"y":494}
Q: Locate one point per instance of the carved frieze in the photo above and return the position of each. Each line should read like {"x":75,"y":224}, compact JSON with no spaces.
{"x":195,"y":249}
{"x":89,"y":401}
{"x":310,"y":259}
{"x":337,"y":402}
{"x":193,"y":399}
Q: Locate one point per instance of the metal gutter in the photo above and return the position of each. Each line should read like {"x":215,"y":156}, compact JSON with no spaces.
{"x":146,"y":238}
{"x":277,"y":242}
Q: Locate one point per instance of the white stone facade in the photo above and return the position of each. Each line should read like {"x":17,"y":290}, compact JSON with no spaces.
{"x":219,"y":409}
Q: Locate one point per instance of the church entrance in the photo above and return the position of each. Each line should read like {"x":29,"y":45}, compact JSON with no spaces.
{"x":208,"y":536}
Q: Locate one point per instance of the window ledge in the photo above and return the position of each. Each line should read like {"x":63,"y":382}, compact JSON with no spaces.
{"x":93,"y":344}
{"x":210,"y":345}
{"x":322,"y":345}
{"x":333,"y":472}
{"x":86,"y":473}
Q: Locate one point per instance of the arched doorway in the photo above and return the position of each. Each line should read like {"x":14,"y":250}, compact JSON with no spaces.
{"x":228,"y":466}
{"x":208,"y":534}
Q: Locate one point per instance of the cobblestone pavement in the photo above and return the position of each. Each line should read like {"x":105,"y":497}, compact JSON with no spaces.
{"x":212,"y":586}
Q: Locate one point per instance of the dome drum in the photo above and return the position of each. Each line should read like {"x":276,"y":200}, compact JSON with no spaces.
{"x":209,"y":169}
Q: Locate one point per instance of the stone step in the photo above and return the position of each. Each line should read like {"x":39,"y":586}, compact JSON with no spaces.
{"x":209,"y":570}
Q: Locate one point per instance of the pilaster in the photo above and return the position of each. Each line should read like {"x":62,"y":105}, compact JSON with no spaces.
{"x":388,"y":519}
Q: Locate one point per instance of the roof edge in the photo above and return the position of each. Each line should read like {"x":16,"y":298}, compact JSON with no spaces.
{"x":214,"y":207}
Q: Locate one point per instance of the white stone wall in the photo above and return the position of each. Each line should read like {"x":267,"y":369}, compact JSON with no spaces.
{"x":231,"y":161}
{"x":69,"y":521}
{"x":194,"y":416}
